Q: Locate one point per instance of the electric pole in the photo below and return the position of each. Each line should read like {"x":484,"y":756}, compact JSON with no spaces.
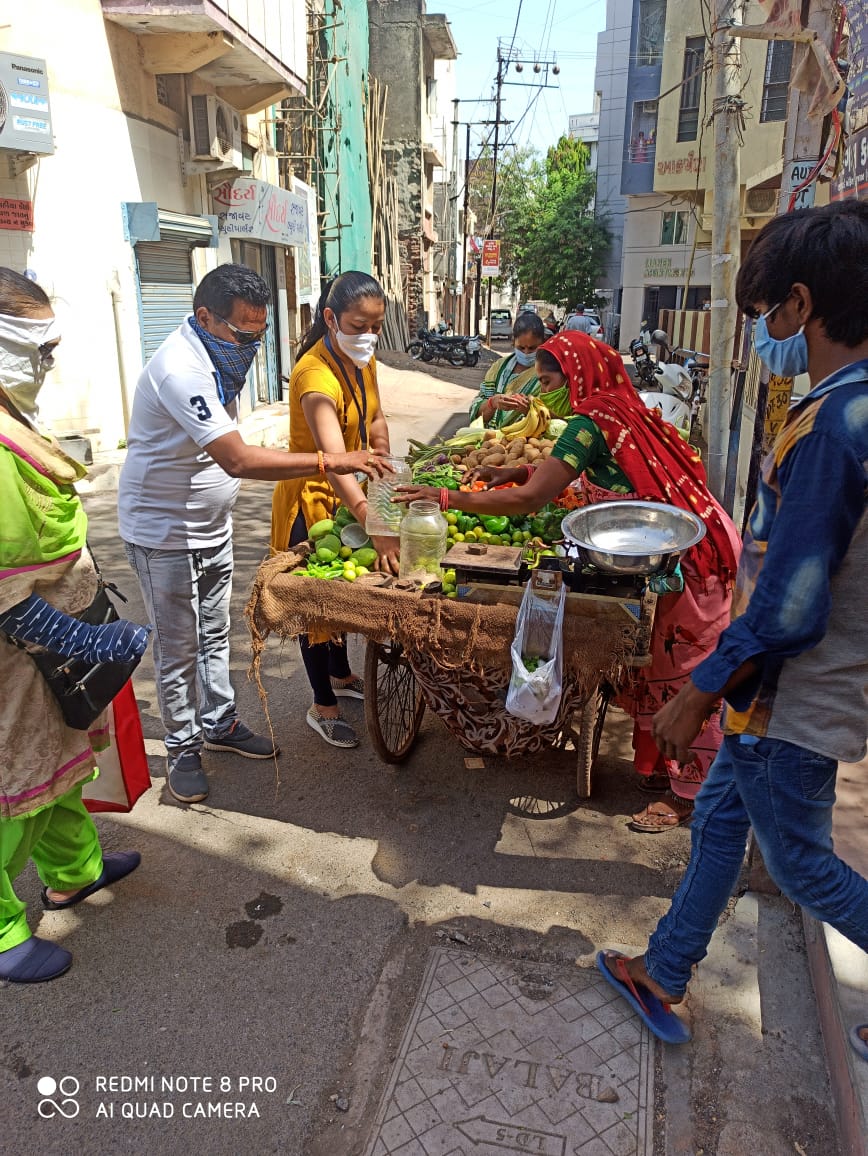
{"x":727,"y":111}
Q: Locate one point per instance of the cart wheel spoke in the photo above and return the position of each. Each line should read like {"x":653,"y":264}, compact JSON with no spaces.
{"x":394,"y":705}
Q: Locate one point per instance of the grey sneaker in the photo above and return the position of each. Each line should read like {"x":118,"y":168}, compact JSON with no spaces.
{"x":333,"y":730}
{"x":355,"y":688}
{"x":241,"y":739}
{"x":186,"y":780}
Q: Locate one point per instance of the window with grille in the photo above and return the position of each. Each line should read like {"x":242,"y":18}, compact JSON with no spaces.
{"x":691,"y":88}
{"x":776,"y":85}
{"x":652,"y":22}
{"x":170,"y":91}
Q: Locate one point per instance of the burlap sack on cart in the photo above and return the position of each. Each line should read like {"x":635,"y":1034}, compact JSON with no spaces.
{"x":457,"y":635}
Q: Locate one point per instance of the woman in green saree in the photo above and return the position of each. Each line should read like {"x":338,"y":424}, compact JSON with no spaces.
{"x":503,"y":395}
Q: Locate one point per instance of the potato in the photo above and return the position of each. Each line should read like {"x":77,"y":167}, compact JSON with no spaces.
{"x":546,"y":453}
{"x":456,"y":459}
{"x":496,"y":458}
{"x":531,"y":454}
{"x":489,"y":435}
{"x":535,"y":442}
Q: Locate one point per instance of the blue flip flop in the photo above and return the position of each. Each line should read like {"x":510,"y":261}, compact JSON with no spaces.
{"x":659,"y":1017}
{"x":115,"y":865}
{"x":859,"y":1046}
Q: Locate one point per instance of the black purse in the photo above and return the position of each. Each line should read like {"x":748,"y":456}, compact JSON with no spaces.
{"x":83,"y":688}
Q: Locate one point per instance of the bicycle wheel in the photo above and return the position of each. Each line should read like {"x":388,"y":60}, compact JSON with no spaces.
{"x":394,"y":705}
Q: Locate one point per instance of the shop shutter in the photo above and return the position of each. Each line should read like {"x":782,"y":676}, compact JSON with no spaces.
{"x":166,"y":287}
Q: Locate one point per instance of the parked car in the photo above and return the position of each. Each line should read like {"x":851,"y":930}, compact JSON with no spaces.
{"x":501,"y":325}
{"x":528,"y":307}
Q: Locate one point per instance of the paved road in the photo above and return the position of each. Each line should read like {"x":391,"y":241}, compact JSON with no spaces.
{"x":278,"y":933}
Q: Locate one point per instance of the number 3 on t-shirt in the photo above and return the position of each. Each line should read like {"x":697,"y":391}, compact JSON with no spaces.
{"x":203,"y":413}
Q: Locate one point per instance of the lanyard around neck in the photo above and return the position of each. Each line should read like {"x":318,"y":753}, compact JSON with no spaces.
{"x":361,"y":407}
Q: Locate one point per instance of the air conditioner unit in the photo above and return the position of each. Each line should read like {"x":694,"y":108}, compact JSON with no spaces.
{"x":215,"y":132}
{"x":761,"y":202}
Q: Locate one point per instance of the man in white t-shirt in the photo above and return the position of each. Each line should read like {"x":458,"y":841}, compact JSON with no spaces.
{"x":177,"y":488}
{"x":580,"y":322}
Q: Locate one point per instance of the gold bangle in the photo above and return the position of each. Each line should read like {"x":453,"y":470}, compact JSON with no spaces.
{"x":320,"y":462}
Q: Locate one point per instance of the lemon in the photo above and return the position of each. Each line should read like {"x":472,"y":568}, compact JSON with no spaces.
{"x":362,"y":570}
{"x":449,"y":576}
{"x":346,"y":551}
{"x":452,"y":518}
{"x":459,"y":538}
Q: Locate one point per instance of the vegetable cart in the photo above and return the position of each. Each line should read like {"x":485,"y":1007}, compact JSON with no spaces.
{"x":452,"y":656}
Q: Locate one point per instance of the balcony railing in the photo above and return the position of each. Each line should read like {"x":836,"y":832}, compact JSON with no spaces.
{"x":641,"y":153}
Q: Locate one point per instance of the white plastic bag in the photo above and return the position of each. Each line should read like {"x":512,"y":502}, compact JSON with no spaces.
{"x":536,"y":695}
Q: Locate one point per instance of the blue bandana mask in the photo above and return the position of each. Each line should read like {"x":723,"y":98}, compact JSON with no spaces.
{"x":787,"y":358}
{"x":525,"y":360}
{"x":231,"y":361}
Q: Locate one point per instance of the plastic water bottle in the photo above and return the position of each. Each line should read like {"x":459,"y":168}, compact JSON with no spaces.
{"x":384,"y":517}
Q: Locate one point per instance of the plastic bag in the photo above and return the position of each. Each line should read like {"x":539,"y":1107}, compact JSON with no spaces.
{"x":535,"y":695}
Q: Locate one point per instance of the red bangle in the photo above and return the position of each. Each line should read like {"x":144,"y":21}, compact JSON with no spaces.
{"x":444,"y":499}
{"x":530,"y":469}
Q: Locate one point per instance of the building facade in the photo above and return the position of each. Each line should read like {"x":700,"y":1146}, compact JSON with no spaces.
{"x":669,"y":155}
{"x":610,"y":205}
{"x":163,"y":165}
{"x":406,"y":44}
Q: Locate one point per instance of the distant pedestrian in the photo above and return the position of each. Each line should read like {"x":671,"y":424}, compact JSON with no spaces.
{"x":178,"y":485}
{"x":793,"y":665}
{"x":578,"y":321}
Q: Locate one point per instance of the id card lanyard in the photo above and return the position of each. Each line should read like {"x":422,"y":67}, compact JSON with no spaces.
{"x":361,"y":406}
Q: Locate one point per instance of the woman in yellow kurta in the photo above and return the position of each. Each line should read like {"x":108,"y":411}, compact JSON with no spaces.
{"x":334,"y":406}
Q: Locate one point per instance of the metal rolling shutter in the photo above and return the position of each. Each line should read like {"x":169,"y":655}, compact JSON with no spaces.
{"x":166,"y":287}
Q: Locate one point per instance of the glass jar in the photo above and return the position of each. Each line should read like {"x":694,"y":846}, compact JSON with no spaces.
{"x":383,"y":516}
{"x":423,"y":542}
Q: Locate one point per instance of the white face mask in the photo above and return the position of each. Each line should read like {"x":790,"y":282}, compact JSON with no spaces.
{"x":22,"y":366}
{"x":358,"y":347}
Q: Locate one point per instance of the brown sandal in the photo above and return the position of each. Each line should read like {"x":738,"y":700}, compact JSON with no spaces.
{"x":662,"y":815}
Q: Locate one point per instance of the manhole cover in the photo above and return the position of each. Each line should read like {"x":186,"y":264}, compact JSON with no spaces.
{"x":499,"y":1057}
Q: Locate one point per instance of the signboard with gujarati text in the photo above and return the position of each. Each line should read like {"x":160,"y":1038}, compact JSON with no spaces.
{"x":490,"y":258}
{"x":16,"y":215}
{"x":258,"y":211}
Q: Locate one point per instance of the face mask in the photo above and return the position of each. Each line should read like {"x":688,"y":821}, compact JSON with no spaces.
{"x":358,"y":347}
{"x":231,"y":360}
{"x":525,"y":360}
{"x":787,"y":358}
{"x":22,"y":366}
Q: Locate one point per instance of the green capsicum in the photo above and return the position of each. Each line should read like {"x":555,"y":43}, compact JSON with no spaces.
{"x":495,"y":523}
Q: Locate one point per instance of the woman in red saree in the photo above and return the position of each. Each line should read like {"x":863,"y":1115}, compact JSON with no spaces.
{"x":619,"y":449}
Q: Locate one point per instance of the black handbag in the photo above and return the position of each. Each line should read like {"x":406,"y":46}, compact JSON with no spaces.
{"x":83,"y":688}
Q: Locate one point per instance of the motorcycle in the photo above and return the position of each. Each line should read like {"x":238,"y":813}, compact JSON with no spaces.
{"x":433,"y":346}
{"x":663,"y":384}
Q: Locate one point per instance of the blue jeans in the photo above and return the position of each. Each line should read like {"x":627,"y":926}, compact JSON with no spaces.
{"x":786,"y":794}
{"x":186,"y":594}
